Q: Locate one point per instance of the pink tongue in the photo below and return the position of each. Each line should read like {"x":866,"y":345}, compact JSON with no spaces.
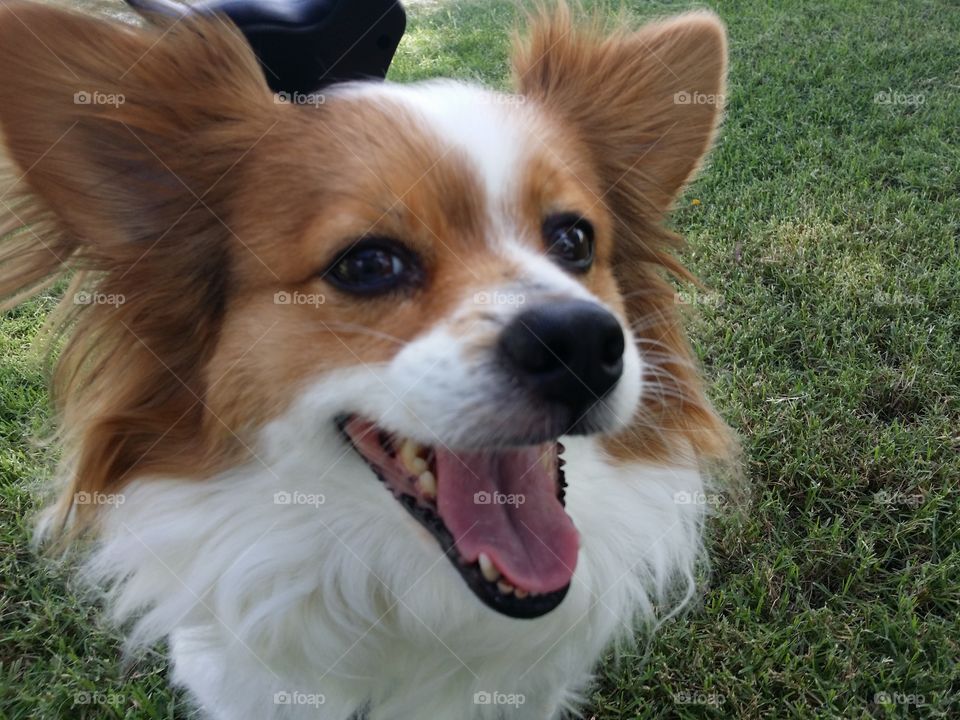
{"x":505,"y":504}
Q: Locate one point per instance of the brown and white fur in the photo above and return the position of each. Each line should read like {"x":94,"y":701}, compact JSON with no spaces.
{"x":194,"y":399}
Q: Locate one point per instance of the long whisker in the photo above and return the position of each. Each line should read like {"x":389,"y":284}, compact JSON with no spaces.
{"x":362,"y":330}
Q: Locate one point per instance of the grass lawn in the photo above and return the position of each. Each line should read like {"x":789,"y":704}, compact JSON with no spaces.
{"x":828,"y":226}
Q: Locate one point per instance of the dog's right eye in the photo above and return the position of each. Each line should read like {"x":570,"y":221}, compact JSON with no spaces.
{"x":374,"y":265}
{"x":569,"y":239}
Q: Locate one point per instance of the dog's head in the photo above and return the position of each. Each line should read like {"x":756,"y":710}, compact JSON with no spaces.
{"x":448,"y":278}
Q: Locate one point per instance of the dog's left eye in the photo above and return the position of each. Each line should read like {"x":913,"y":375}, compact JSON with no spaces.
{"x":374,"y":265}
{"x":569,"y":239}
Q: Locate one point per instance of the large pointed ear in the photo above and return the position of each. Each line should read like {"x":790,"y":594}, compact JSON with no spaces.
{"x":646,"y":103}
{"x":122,"y":131}
{"x":125,"y":149}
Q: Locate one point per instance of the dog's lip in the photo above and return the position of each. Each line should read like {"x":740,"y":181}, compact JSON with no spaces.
{"x":509,"y":568}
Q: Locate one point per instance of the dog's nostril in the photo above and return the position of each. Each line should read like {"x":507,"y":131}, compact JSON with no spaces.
{"x":569,"y":352}
{"x":613,"y":346}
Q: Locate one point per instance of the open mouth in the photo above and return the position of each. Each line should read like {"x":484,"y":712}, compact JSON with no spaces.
{"x":498,"y":514}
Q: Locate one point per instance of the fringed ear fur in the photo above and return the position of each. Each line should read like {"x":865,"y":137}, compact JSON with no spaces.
{"x":117,"y":142}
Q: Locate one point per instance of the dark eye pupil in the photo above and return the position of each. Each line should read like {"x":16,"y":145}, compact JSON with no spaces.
{"x":373,"y":266}
{"x":571,"y":244}
{"x":569,"y":240}
{"x":369,"y":266}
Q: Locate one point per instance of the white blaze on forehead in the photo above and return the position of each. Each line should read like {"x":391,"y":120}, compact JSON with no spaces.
{"x":497,"y":134}
{"x":494,"y":131}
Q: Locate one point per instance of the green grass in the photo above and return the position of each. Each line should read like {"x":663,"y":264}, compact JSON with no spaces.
{"x":828,"y":227}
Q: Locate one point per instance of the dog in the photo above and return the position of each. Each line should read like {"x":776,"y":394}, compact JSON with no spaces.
{"x":377,"y":406}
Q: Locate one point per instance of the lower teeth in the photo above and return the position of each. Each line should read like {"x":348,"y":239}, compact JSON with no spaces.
{"x":426,"y":483}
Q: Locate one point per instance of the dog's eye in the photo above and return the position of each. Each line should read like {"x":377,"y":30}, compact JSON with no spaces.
{"x":374,"y":265}
{"x":569,"y":240}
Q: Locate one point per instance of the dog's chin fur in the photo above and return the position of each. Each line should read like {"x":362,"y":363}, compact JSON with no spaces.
{"x":268,"y":587}
{"x":262,"y":598}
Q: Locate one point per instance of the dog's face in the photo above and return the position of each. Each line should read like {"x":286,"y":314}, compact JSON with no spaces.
{"x":456,"y":241}
{"x":450,"y":303}
{"x":449,"y":279}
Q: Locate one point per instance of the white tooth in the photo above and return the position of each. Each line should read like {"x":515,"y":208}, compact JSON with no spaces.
{"x":408,"y":453}
{"x":419,"y":465}
{"x":520,"y":593}
{"x":427,"y":484}
{"x":505,"y":587}
{"x":490,"y":573}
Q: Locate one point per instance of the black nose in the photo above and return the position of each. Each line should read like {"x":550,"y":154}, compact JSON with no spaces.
{"x":569,"y":352}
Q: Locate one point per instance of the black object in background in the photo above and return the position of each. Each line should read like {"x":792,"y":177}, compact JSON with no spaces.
{"x":305,"y":45}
